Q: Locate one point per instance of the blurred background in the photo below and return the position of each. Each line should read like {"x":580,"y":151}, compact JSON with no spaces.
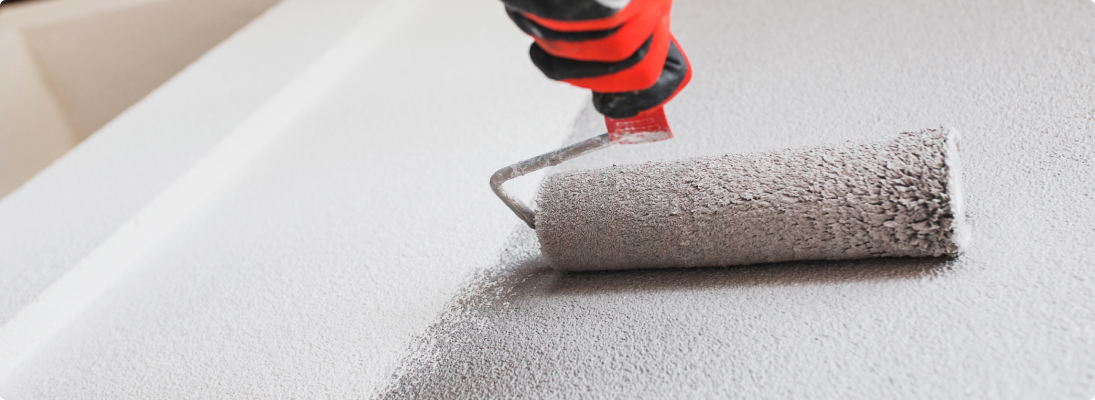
{"x":68,"y":67}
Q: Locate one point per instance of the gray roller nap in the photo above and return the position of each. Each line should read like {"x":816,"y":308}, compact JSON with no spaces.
{"x":886,"y":199}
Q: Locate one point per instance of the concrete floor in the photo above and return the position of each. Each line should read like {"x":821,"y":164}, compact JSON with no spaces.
{"x":1012,"y":318}
{"x":362,"y":255}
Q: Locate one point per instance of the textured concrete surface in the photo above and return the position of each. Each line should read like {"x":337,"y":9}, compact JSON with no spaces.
{"x":1012,"y":318}
{"x":310,"y":276}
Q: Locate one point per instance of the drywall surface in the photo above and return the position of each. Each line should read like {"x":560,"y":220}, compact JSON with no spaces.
{"x":309,"y":275}
{"x":55,"y":220}
{"x":1013,"y":318}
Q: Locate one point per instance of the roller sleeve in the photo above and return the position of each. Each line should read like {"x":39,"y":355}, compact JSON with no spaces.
{"x":885,"y":199}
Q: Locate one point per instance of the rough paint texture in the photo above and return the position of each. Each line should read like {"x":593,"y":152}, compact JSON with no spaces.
{"x":1012,"y":318}
{"x":883,"y":199}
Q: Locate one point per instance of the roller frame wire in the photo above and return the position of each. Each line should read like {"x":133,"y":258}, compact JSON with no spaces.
{"x":535,"y":164}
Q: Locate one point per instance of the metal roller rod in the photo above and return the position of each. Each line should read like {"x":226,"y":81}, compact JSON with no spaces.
{"x":535,"y":164}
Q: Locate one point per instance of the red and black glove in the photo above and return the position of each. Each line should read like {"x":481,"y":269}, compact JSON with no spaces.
{"x":620,"y":49}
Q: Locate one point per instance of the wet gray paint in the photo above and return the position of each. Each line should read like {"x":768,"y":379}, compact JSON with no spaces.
{"x":1010,"y":318}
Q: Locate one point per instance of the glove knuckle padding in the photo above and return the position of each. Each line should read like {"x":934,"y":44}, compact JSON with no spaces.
{"x":559,"y":68}
{"x":674,"y":76}
{"x":625,"y":55}
{"x":542,"y":32}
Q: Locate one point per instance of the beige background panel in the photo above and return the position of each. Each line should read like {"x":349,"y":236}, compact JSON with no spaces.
{"x":101,"y":64}
{"x":33,"y":131}
{"x":71,"y":66}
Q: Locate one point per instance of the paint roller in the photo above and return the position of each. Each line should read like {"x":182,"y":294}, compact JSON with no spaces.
{"x":893,"y":198}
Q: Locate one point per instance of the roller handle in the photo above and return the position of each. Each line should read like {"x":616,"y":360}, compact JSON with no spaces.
{"x":535,"y":164}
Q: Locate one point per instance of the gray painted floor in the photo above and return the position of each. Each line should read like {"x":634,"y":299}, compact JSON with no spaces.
{"x":1012,"y":318}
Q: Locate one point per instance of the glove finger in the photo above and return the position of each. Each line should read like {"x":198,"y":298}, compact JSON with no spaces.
{"x":636,"y":77}
{"x":559,"y":68}
{"x":564,"y":10}
{"x":675,"y":75}
{"x":538,"y":31}
{"x":623,"y":40}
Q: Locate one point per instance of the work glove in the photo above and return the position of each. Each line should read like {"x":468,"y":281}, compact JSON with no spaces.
{"x":622,"y":50}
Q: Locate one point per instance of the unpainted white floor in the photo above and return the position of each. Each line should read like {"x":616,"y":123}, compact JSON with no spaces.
{"x":313,"y":271}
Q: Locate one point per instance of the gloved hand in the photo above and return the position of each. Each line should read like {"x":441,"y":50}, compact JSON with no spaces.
{"x":620,"y":49}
